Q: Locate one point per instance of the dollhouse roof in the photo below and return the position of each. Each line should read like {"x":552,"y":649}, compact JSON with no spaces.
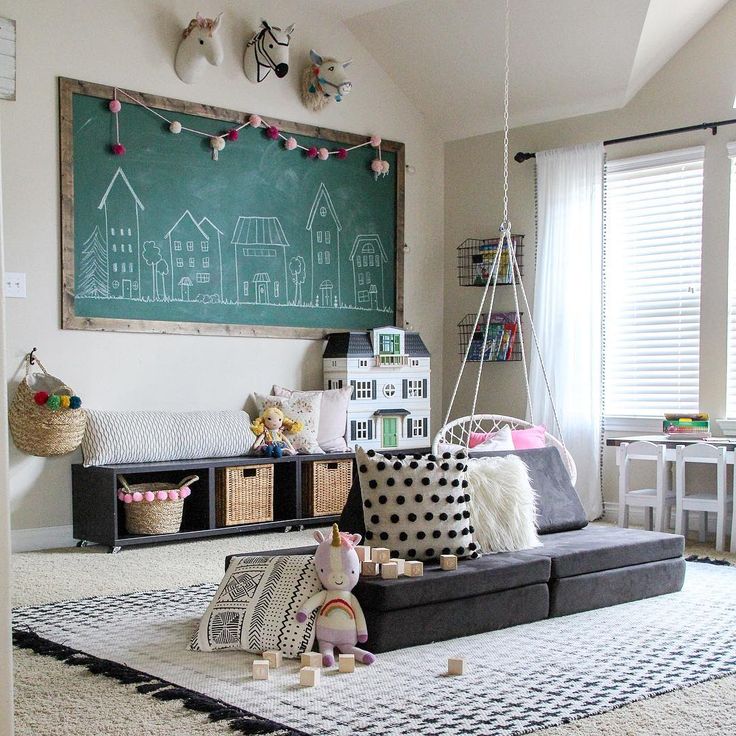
{"x":414,"y":345}
{"x":358,"y":345}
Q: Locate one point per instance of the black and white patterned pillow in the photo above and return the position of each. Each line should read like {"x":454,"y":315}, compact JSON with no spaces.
{"x":416,"y":505}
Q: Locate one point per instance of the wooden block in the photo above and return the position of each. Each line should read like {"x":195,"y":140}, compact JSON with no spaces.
{"x":260,"y":669}
{"x":448,"y":562}
{"x":346,"y":662}
{"x":311,"y":659}
{"x":381,"y":554}
{"x":389,"y":571}
{"x":364,"y":552}
{"x":309,"y":676}
{"x":455,"y":666}
{"x":401,"y":564}
{"x":371,"y":568}
{"x":273,"y":658}
{"x":413,"y":568}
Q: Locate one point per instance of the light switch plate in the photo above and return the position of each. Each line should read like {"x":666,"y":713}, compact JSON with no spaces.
{"x":15,"y":285}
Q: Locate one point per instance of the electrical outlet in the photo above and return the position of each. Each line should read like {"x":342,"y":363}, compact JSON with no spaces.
{"x":15,"y":285}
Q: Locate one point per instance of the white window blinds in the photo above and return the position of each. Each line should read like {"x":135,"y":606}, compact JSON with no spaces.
{"x":653,"y":246}
{"x":731,"y":380}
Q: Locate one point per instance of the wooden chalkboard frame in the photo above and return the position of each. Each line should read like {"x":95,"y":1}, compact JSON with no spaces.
{"x":70,"y":320}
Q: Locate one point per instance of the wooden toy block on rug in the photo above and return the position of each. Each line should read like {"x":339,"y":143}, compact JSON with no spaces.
{"x":273,"y":658}
{"x":455,"y":666}
{"x":364,"y":552}
{"x":311,"y":659}
{"x":448,"y":562}
{"x":260,"y":669}
{"x":309,"y":676}
{"x":370,"y":568}
{"x":389,"y":571}
{"x":381,"y":555}
{"x":413,"y":568}
{"x":346,"y":663}
{"x":400,"y":564}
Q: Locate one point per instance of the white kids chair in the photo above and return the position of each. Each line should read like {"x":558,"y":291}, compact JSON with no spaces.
{"x":657,"y":501}
{"x":716,"y":502}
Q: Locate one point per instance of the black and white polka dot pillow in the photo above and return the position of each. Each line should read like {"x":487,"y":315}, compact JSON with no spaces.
{"x":416,"y":505}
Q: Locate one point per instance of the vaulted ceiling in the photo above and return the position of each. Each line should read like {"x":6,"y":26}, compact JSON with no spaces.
{"x":568,"y":57}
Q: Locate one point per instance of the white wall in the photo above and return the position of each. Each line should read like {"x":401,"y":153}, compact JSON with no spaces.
{"x":131,"y":44}
{"x":697,"y":85}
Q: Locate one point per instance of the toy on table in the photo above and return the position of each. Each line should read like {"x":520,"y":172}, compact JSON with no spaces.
{"x":270,"y":429}
{"x":340,"y":623}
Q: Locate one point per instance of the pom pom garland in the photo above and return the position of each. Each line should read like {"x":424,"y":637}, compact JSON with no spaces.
{"x":65,"y":401}
{"x":137,"y":496}
{"x":185,"y":491}
{"x":75,"y":402}
{"x":114,"y":106}
{"x":175,"y":127}
{"x":173,"y":495}
{"x":217,"y":143}
{"x":54,"y":402}
{"x":375,"y":141}
{"x":312,"y":152}
{"x":233,"y":135}
{"x":41,"y":397}
{"x":324,"y":154}
{"x":255,"y":121}
{"x":118,"y":149}
{"x":376,"y":166}
{"x":342,"y":154}
{"x":162,"y":495}
{"x":149,"y":496}
{"x":128,"y":498}
{"x":290,"y":143}
{"x":272,"y":132}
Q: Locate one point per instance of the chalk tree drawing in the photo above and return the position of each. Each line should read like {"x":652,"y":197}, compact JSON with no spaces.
{"x":368,"y":258}
{"x":324,"y":229}
{"x":121,"y":209}
{"x":260,"y":261}
{"x":93,"y":271}
{"x":152,"y":257}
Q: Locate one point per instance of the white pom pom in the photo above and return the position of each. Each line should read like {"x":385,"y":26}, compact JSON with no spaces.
{"x":175,"y":126}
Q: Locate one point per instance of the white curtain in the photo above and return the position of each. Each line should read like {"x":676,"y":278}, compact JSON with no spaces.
{"x":567,"y":307}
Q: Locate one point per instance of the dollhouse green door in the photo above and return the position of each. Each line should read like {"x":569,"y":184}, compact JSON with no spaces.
{"x":390,"y":435}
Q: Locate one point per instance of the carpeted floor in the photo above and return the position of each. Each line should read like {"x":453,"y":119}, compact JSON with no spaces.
{"x":53,"y":699}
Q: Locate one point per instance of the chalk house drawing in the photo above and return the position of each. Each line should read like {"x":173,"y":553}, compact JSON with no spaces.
{"x":324,"y":228}
{"x":368,"y":258}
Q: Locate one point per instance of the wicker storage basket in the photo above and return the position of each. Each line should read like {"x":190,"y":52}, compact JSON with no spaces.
{"x":154,"y":517}
{"x":39,"y":430}
{"x":244,"y":494}
{"x":326,"y":484}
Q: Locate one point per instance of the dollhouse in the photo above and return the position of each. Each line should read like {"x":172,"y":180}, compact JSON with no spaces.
{"x":388,"y":370}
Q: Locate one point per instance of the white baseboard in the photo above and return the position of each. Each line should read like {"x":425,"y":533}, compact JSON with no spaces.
{"x":48,"y":537}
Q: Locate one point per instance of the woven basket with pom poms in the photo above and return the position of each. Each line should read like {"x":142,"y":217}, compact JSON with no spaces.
{"x":154,"y":508}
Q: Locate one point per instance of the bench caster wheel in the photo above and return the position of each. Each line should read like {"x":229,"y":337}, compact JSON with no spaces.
{"x":115,"y":550}
{"x":287,"y":529}
{"x":84,"y":543}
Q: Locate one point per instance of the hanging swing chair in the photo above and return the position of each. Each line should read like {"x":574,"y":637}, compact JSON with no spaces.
{"x":458,"y":432}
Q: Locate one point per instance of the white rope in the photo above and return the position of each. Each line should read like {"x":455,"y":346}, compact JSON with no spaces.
{"x":520,"y":336}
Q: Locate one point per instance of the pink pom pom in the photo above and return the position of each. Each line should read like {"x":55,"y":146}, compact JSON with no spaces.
{"x":272,"y":132}
{"x":385,"y":166}
{"x":118,"y":149}
{"x":255,"y":121}
{"x":342,"y":154}
{"x":114,"y":106}
{"x":375,"y":141}
{"x":127,"y":498}
{"x":121,"y":494}
{"x":324,"y":154}
{"x":290,"y":144}
{"x":377,"y":166}
{"x":149,"y":496}
{"x":233,"y":135}
{"x":161,"y":495}
{"x":173,"y":495}
{"x":312,"y":152}
{"x":186,"y":491}
{"x":137,"y":496}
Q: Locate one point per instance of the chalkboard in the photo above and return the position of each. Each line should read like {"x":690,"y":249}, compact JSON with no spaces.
{"x":262,"y":241}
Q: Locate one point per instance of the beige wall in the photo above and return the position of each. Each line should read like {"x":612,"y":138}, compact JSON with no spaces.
{"x":697,"y":85}
{"x":132,"y":44}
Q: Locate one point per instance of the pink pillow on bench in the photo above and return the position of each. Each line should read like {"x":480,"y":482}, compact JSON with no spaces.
{"x":529,"y":439}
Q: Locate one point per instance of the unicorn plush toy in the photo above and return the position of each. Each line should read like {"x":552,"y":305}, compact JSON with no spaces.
{"x":340,"y":622}
{"x":267,"y":51}
{"x":324,"y":80}
{"x":200,"y":44}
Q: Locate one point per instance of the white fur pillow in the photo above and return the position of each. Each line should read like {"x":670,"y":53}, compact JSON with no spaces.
{"x":502,"y":504}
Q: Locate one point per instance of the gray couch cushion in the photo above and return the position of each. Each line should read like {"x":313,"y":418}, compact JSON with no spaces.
{"x":485,"y":574}
{"x":598,"y":547}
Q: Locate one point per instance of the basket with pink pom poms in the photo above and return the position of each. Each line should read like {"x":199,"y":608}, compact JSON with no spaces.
{"x":154,"y":508}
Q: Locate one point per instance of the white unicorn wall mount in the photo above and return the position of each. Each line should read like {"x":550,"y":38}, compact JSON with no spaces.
{"x":200,"y":44}
{"x":267,"y":51}
{"x":323,"y":80}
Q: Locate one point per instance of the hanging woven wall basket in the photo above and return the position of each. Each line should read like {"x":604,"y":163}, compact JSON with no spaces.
{"x":50,"y":427}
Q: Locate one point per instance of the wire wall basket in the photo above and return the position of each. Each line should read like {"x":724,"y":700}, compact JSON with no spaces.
{"x":503,"y":345}
{"x":475,"y":259}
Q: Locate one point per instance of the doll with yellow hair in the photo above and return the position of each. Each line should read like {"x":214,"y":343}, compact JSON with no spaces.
{"x":270,"y":429}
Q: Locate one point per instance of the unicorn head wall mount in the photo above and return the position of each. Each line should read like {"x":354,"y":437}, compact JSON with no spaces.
{"x":323,"y":80}
{"x":200,"y":44}
{"x":267,"y":51}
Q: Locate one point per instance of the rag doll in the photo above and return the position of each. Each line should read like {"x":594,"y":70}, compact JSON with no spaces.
{"x":270,"y":429}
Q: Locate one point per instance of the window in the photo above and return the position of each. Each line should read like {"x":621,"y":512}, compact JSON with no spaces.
{"x":180,"y":262}
{"x":319,"y":236}
{"x":122,"y":267}
{"x":362,"y":363}
{"x":319,"y":257}
{"x":115,"y":284}
{"x":191,"y":263}
{"x":418,"y":428}
{"x":203,"y":278}
{"x":128,"y":232}
{"x":327,"y":256}
{"x":268,"y":252}
{"x":415,"y":389}
{"x":245,"y":288}
{"x":337,"y":383}
{"x":328,"y":237}
{"x":652,"y":258}
{"x":114,"y":248}
{"x":114,"y":267}
{"x":367,"y":278}
{"x":130,"y":268}
{"x":177,"y":245}
{"x":389,"y":390}
{"x":276,"y":289}
{"x":361,"y":430}
{"x":205,"y":246}
{"x":363,"y":296}
{"x":389,"y":343}
{"x":112,"y":231}
{"x":361,"y":279}
{"x":414,"y":362}
{"x":363,"y":390}
{"x":190,"y":245}
{"x":359,"y":262}
{"x":323,"y":211}
{"x":205,"y":263}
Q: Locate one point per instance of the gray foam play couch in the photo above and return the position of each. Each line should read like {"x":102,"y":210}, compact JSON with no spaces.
{"x":579,"y":567}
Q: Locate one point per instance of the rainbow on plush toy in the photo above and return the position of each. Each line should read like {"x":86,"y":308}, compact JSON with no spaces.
{"x":270,"y":429}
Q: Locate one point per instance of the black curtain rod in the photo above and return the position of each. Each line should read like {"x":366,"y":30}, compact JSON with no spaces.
{"x":520,"y":157}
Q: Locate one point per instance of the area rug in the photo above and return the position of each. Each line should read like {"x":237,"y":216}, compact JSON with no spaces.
{"x":516,"y":681}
